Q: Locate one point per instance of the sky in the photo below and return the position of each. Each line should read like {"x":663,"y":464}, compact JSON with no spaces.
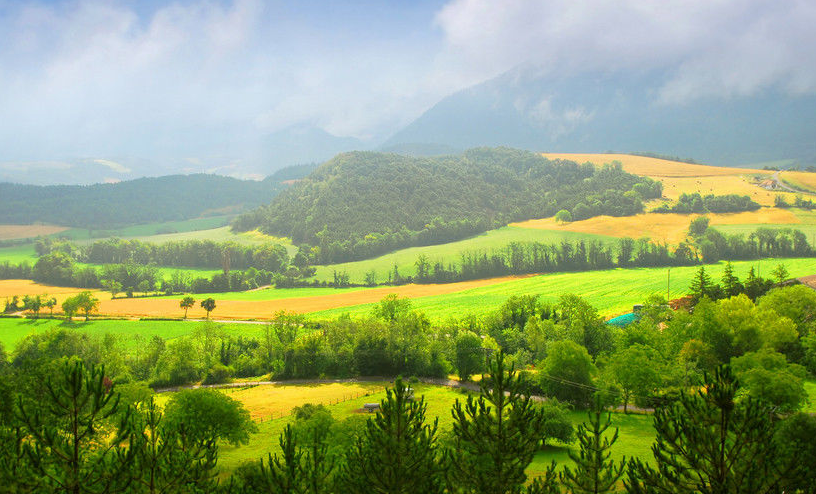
{"x":120,"y":82}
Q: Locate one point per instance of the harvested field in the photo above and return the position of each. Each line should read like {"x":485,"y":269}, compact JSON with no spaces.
{"x":9,"y":232}
{"x":678,"y":177}
{"x":654,"y":167}
{"x":265,"y":309}
{"x":9,"y":288}
{"x":734,"y":184}
{"x":670,"y":228}
{"x":800,"y":180}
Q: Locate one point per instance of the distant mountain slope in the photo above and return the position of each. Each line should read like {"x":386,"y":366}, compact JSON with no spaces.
{"x":596,"y":114}
{"x":361,"y":204}
{"x":145,"y":200}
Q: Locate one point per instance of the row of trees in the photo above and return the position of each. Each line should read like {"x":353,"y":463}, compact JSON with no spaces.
{"x":84,"y":435}
{"x":710,"y":203}
{"x":704,"y":245}
{"x":188,"y":253}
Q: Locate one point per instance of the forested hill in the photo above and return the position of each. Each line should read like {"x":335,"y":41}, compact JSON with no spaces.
{"x":361,"y":204}
{"x":145,"y":200}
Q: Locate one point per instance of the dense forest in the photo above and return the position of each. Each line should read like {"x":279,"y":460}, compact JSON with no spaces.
{"x":750,"y":356}
{"x":362,"y":204}
{"x":144,"y":200}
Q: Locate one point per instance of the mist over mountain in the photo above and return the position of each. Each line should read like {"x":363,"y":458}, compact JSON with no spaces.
{"x":618,"y":112}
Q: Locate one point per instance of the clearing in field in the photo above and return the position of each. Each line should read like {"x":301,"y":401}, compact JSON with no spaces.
{"x":669,"y":228}
{"x":276,"y":400}
{"x":260,"y":308}
{"x":9,"y":232}
{"x":636,"y":432}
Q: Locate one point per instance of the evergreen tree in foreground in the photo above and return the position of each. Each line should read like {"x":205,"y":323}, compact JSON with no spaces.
{"x":496,"y":436}
{"x":398,"y":453}
{"x":69,"y":442}
{"x":594,"y":472}
{"x":710,"y":444}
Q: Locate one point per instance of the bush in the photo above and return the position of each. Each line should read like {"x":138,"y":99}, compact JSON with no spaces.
{"x":218,"y":374}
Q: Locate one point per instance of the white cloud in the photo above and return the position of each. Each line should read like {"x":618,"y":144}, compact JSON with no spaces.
{"x":716,"y":48}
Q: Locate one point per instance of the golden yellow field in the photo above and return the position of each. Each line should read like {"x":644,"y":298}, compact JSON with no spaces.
{"x":801,"y":180}
{"x":653,"y":167}
{"x":669,"y":228}
{"x":8,"y":232}
{"x":9,"y":288}
{"x":266,"y":309}
{"x":679,"y":178}
{"x":273,"y":400}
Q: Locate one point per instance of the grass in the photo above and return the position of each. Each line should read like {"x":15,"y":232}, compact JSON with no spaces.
{"x":132,"y":332}
{"x":810,"y":389}
{"x":450,"y":252}
{"x":611,"y":291}
{"x":18,"y":254}
{"x":636,"y":433}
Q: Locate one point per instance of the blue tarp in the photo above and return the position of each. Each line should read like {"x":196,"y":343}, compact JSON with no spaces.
{"x":624,"y":320}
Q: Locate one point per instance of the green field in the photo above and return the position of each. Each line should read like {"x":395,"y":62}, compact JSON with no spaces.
{"x":450,"y":252}
{"x":12,"y":330}
{"x":611,"y":291}
{"x":18,"y":254}
{"x":810,"y":388}
{"x":636,"y":433}
{"x":274,"y":293}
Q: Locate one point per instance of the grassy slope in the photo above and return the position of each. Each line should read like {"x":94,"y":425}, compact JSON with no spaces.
{"x":611,"y":291}
{"x":18,"y":254}
{"x":636,"y":433}
{"x":12,"y":330}
{"x":448,"y":253}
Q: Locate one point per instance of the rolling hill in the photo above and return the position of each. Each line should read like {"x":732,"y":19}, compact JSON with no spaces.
{"x":144,"y":200}
{"x":362,"y":204}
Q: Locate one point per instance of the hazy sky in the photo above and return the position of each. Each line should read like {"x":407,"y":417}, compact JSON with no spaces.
{"x":99,"y":79}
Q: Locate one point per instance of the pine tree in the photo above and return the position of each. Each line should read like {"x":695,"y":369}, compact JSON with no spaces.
{"x":398,"y":453}
{"x":496,"y":435}
{"x":780,"y":273}
{"x":166,"y":459}
{"x":284,"y":473}
{"x":730,"y":283}
{"x":708,"y":443}
{"x":594,"y":472}
{"x":69,"y":444}
{"x":701,"y":284}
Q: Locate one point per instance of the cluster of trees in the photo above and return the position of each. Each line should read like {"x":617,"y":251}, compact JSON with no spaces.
{"x":359,"y":205}
{"x":713,"y":245}
{"x":696,"y":203}
{"x":131,"y":202}
{"x":58,"y":268}
{"x":82,"y":433}
{"x":798,"y":202}
{"x":188,"y":253}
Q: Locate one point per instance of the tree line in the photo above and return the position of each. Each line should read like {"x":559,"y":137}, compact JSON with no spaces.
{"x":360,"y":205}
{"x":188,"y":253}
{"x":710,"y":203}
